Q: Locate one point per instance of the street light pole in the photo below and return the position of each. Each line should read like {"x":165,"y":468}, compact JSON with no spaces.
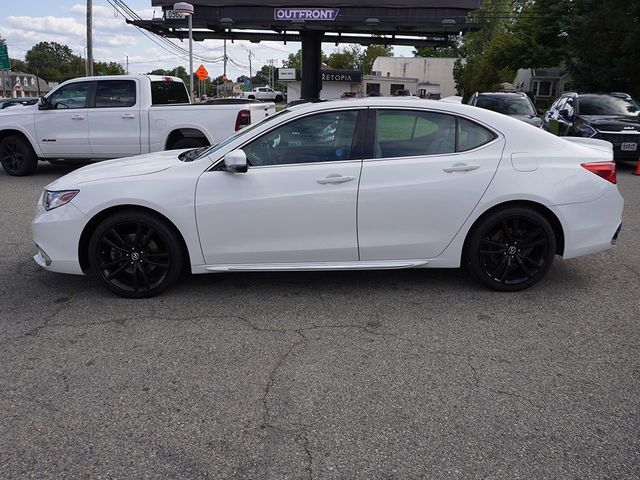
{"x":89,"y":69}
{"x":187,"y":9}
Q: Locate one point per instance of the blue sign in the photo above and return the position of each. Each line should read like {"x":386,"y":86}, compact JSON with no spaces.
{"x":290,"y":14}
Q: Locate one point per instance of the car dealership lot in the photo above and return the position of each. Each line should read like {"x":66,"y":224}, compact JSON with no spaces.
{"x":396,"y":374}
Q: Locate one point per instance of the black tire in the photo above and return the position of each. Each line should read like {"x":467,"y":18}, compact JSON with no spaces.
{"x":135,"y":254}
{"x":279,"y":98}
{"x":17,"y":156}
{"x":189,"y":142}
{"x":251,"y":97}
{"x":511,"y":249}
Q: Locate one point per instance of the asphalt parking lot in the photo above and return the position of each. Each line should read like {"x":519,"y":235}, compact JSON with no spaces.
{"x":360,"y":375}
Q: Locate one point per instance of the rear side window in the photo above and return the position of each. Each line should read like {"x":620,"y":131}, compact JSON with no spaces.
{"x":115,"y":93}
{"x":408,"y":133}
{"x":164,"y":92}
{"x":471,"y":135}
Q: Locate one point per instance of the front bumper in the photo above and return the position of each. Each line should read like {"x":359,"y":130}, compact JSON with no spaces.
{"x":56,"y":234}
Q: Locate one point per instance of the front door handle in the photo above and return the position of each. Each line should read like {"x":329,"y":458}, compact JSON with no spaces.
{"x":77,"y":117}
{"x":334,"y":179}
{"x":460,"y":167}
{"x":128,"y":115}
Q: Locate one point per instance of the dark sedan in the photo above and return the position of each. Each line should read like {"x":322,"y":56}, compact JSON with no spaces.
{"x":614,"y":117}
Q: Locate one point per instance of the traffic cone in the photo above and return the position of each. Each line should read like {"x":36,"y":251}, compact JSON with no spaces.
{"x":637,"y":170}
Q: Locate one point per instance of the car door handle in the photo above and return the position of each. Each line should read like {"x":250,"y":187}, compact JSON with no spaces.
{"x":334,"y":179}
{"x":128,"y":115}
{"x":460,"y":167}
{"x":77,"y":117}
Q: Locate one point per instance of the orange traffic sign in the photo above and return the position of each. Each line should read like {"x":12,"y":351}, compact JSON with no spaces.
{"x":202,"y":73}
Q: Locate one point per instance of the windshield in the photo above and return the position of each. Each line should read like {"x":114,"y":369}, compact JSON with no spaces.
{"x":214,"y":148}
{"x":608,"y":105}
{"x":506,"y":105}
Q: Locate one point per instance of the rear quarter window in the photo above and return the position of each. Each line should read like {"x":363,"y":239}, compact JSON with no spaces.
{"x":471,"y":135}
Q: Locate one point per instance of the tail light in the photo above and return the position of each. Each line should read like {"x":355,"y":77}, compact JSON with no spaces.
{"x":243,"y":119}
{"x":606,"y":170}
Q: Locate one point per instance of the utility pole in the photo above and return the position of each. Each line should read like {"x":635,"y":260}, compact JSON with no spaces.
{"x":225,"y":59}
{"x":250,"y":71}
{"x":127,"y":64}
{"x":89,"y":69}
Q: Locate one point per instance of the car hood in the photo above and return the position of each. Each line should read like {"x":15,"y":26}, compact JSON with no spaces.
{"x":613,"y":123}
{"x":121,"y":167}
{"x":17,"y":110}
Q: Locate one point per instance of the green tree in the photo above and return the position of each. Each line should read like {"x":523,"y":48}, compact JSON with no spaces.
{"x":443,"y":52}
{"x":478,"y":72}
{"x":603,"y":38}
{"x":371,"y":53}
{"x":348,"y":57}
{"x":54,"y":62}
{"x":108,"y":68}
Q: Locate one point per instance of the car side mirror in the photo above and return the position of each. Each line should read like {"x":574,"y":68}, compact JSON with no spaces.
{"x":44,"y":104}
{"x":564,"y":113}
{"x":236,"y":161}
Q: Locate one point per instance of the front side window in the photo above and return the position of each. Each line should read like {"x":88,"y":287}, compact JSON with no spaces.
{"x":407,"y":134}
{"x":324,"y":137}
{"x":73,"y":95}
{"x":115,"y":93}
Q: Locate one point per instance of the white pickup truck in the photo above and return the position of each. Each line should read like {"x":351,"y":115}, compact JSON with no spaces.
{"x":264,"y":93}
{"x":97,"y":118}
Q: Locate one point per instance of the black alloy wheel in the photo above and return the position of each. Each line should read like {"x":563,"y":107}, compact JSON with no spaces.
{"x":17,"y":156}
{"x":135,"y":254}
{"x":512,"y":249}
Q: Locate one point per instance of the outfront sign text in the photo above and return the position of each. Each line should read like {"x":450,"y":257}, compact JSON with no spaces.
{"x":305,"y":13}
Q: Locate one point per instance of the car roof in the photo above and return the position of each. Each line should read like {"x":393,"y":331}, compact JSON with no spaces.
{"x":503,"y":94}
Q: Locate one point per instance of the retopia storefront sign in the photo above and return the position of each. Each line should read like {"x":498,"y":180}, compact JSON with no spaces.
{"x":326,"y":14}
{"x":353,"y":76}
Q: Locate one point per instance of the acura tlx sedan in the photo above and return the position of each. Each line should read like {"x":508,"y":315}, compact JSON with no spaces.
{"x":343,"y":185}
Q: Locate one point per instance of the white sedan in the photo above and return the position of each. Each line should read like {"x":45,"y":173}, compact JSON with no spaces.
{"x":345,"y":185}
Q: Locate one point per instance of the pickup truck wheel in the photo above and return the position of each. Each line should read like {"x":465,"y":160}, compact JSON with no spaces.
{"x":189,"y":143}
{"x":17,"y":156}
{"x":135,"y":255}
{"x":279,"y":98}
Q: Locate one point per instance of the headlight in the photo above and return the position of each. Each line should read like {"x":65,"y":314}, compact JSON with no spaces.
{"x":585,"y":130}
{"x":51,"y":200}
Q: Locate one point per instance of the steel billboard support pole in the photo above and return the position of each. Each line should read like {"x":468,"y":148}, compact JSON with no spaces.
{"x":312,"y":59}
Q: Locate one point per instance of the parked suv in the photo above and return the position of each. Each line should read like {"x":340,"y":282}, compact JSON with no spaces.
{"x":614,"y":117}
{"x":516,"y":105}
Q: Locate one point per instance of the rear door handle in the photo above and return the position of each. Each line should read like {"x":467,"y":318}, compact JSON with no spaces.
{"x":77,"y":117}
{"x":128,"y":115}
{"x":460,"y":167}
{"x":334,"y":179}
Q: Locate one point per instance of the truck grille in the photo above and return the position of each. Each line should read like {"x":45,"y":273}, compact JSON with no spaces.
{"x":618,"y":138}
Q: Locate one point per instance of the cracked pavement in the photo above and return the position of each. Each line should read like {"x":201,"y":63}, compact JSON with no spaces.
{"x":347,"y":375}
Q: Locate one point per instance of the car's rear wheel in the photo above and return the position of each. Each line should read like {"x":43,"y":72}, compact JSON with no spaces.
{"x":279,"y":98}
{"x":511,"y":249}
{"x":135,"y":254}
{"x":17,"y":156}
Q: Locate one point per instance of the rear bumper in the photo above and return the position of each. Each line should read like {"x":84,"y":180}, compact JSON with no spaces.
{"x":591,"y":227}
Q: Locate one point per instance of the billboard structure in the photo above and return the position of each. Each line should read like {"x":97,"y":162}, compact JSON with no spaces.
{"x":416,"y":23}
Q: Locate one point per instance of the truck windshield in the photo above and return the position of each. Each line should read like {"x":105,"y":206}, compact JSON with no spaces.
{"x":240,"y":133}
{"x":164,"y":92}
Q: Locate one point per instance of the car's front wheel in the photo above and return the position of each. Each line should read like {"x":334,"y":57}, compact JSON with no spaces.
{"x":135,"y":254}
{"x":511,"y":249}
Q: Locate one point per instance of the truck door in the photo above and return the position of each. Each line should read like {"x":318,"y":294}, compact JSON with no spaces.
{"x":114,"y":126}
{"x":64,"y":129}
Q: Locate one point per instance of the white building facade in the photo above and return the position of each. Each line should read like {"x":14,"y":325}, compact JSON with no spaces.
{"x":434,"y":74}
